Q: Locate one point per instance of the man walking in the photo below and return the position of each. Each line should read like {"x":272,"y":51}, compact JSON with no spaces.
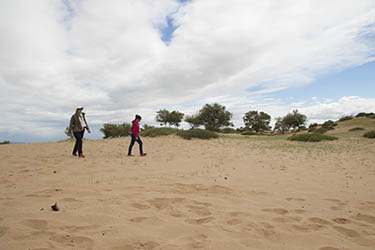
{"x":78,"y":124}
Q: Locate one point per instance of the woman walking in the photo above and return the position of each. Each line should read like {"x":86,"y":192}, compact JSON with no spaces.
{"x":135,"y":136}
{"x":78,"y":124}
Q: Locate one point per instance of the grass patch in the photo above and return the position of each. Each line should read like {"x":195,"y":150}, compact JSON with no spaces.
{"x":154,"y":132}
{"x":346,"y":118}
{"x":370,"y":134}
{"x":311,"y":137}
{"x":320,"y":130}
{"x":356,"y":129}
{"x":248,"y":133}
{"x":197,"y":133}
{"x":4,"y":142}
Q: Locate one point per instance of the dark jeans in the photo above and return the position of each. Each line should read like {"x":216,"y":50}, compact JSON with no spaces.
{"x":132,"y":144}
{"x":78,"y":145}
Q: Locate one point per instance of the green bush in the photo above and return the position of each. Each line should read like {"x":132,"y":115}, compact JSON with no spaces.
{"x":311,"y":137}
{"x":115,"y":130}
{"x":5,"y":142}
{"x":370,"y":134}
{"x":320,"y":130}
{"x":248,"y":132}
{"x":197,"y":133}
{"x":363,"y":114}
{"x":356,"y":129}
{"x":345,"y":118}
{"x":229,"y":131}
{"x":329,"y":124}
{"x":153,"y":132}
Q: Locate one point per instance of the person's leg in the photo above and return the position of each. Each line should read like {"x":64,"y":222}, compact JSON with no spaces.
{"x":140,"y":145}
{"x":80,"y":152}
{"x":77,"y":135}
{"x":131,"y":144}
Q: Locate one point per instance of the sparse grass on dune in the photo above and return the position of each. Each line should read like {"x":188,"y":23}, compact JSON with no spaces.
{"x":370,"y":134}
{"x":154,"y":132}
{"x":311,"y":137}
{"x":197,"y":133}
{"x":356,"y":129}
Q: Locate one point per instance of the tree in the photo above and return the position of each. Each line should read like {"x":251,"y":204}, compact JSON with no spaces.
{"x":280,"y":125}
{"x":162,"y":117}
{"x":193,"y":120}
{"x":175,"y":118}
{"x":257,"y":120}
{"x":172,"y":118}
{"x":215,"y":116}
{"x":294,"y":120}
{"x":115,"y":130}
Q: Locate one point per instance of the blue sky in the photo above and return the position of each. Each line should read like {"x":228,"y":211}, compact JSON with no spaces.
{"x":130,"y":57}
{"x":357,"y":81}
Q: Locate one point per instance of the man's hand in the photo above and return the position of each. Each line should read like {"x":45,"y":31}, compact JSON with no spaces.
{"x":70,"y":134}
{"x":88,"y":130}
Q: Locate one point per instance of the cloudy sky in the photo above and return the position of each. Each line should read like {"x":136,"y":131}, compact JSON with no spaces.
{"x":121,"y":57}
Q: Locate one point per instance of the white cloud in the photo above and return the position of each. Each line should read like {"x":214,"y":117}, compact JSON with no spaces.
{"x":108,"y":56}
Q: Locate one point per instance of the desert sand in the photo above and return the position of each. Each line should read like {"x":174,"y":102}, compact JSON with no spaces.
{"x":220,"y":194}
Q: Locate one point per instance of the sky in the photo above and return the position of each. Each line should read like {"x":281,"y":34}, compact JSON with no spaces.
{"x":119,"y":58}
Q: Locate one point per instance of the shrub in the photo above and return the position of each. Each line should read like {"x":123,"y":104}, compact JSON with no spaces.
{"x":329,"y":124}
{"x":345,"y":118}
{"x":370,"y":134}
{"x":115,"y":130}
{"x":363,"y":114}
{"x":5,"y":142}
{"x":153,"y":132}
{"x":197,"y":133}
{"x":248,"y":132}
{"x":229,"y":131}
{"x":311,"y":137}
{"x":320,"y":130}
{"x":356,"y":129}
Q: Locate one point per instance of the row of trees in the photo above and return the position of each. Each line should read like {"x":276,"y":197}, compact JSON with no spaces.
{"x":215,"y":117}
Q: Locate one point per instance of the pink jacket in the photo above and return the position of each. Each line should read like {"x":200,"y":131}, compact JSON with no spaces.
{"x":135,"y":128}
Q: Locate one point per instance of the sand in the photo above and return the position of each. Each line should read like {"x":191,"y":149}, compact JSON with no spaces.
{"x":227,"y":193}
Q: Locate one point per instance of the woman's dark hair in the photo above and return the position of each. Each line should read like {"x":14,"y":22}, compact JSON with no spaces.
{"x":138,"y":117}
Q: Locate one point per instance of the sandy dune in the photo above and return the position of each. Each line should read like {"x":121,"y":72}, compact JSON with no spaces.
{"x":229,"y":193}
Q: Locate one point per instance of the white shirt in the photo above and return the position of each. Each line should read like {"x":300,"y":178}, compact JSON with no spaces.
{"x":83,"y":123}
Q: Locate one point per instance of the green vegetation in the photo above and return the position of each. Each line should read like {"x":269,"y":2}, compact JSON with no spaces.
{"x":346,"y":118}
{"x":248,"y":132}
{"x":363,"y":114}
{"x":229,"y":131}
{"x":172,"y":118}
{"x":115,"y":130}
{"x":311,"y":137}
{"x":292,"y":120}
{"x":370,"y":134}
{"x":197,"y":133}
{"x":4,"y":142}
{"x":320,"y":130}
{"x":356,"y":129}
{"x":258,"y":121}
{"x":154,"y":132}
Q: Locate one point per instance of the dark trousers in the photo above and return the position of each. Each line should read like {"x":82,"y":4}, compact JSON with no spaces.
{"x":78,"y":145}
{"x":132,"y":144}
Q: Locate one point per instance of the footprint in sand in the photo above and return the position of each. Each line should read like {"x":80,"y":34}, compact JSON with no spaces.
{"x":365,"y":217}
{"x":140,"y":206}
{"x":328,"y":248}
{"x":73,"y":241}
{"x":3,"y":231}
{"x":36,"y":224}
{"x":294,"y":199}
{"x":321,"y":221}
{"x":200,"y":221}
{"x":275,"y":210}
{"x":306,"y":228}
{"x":347,"y":232}
{"x":341,"y":221}
{"x":148,"y":245}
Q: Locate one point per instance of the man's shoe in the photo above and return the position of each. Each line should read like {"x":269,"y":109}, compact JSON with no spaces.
{"x":82,"y":156}
{"x":75,"y":154}
{"x":143,"y":154}
{"x":130,"y":155}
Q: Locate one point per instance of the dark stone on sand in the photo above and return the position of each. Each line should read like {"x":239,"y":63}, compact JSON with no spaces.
{"x":55,"y":207}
